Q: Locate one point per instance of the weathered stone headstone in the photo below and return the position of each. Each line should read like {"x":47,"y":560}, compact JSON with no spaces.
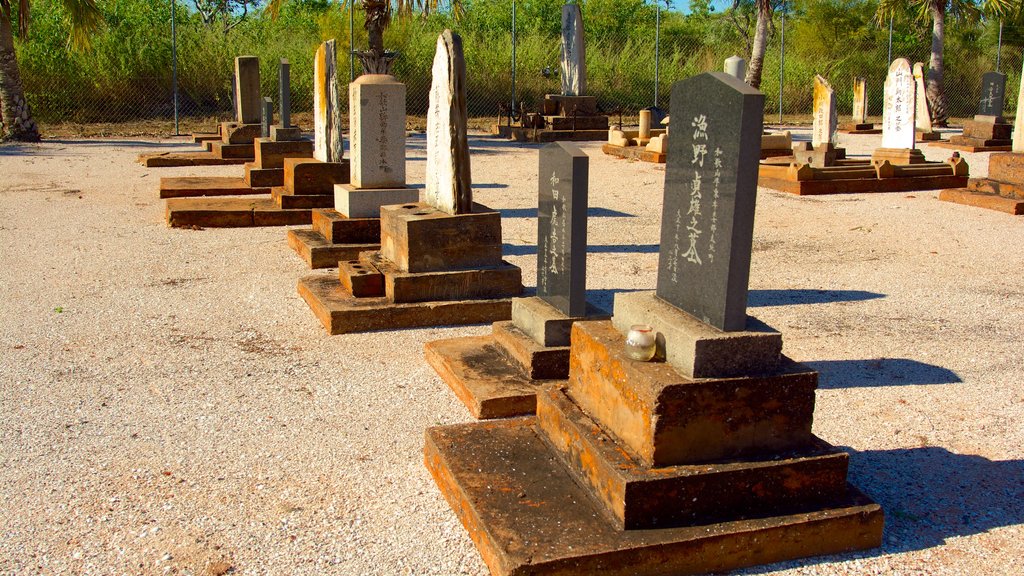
{"x":247,"y":89}
{"x":328,"y":143}
{"x":1018,"y":122}
{"x":993,"y":89}
{"x":736,"y":67}
{"x":448,"y":177}
{"x":562,"y":227}
{"x":922,"y":114}
{"x":710,"y":193}
{"x":898,"y":111}
{"x":377,"y":131}
{"x":267,"y":117}
{"x":860,"y":100}
{"x":284,"y":85}
{"x":825,"y":121}
{"x":574,"y":53}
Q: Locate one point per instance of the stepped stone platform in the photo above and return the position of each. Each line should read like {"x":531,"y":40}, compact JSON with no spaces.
{"x":562,"y":118}
{"x":234,"y":145}
{"x":854,"y":177}
{"x":192,"y":186}
{"x":174,"y":159}
{"x":1002,"y":191}
{"x":334,"y":238}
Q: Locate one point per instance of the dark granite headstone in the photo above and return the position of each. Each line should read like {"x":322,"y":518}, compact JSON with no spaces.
{"x":993,"y":90}
{"x":267,"y":117}
{"x":284,"y":84}
{"x":707,"y":222}
{"x":562,"y":227}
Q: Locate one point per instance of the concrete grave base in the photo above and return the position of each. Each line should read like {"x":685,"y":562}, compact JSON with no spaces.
{"x":971,"y":145}
{"x":861,"y":177}
{"x":983,"y":200}
{"x":192,"y":186}
{"x":176,"y":159}
{"x":263,"y":177}
{"x":366,"y":202}
{"x":527,"y":513}
{"x":523,"y":134}
{"x":634,"y":153}
{"x":867,"y":128}
{"x":1002,"y":191}
{"x":342,"y":313}
{"x":231,"y":213}
{"x":334,"y":237}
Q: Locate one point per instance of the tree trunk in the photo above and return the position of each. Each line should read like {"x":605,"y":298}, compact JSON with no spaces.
{"x":936,"y":69}
{"x":759,"y":47}
{"x":376,"y":60}
{"x":15,"y":117}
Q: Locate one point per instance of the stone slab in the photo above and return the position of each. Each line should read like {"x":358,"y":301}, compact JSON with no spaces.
{"x":263,"y":177}
{"x":288,"y":201}
{"x":318,"y":253}
{"x":481,"y":377}
{"x":501,"y":281}
{"x":860,"y":129}
{"x":535,"y":361}
{"x":366,"y":202}
{"x":192,"y":186}
{"x":1006,"y":167}
{"x":240,"y":151}
{"x":987,"y":130}
{"x":983,"y":200}
{"x":862,"y":185}
{"x":420,"y":238}
{"x":697,"y":349}
{"x":230,"y":213}
{"x":200,"y":137}
{"x":311,"y":176}
{"x":360,"y":278}
{"x":547,"y":325}
{"x":237,"y":133}
{"x":564,"y":105}
{"x":638,"y":497}
{"x":898,"y":156}
{"x":340,"y":313}
{"x":338,"y":229}
{"x":634,"y":153}
{"x":975,"y":145}
{"x":271,"y":153}
{"x":543,"y":135}
{"x":571,"y":123}
{"x":282,"y":134}
{"x":1014,"y":190}
{"x":665,"y":418}
{"x":177,"y":159}
{"x":527,"y":515}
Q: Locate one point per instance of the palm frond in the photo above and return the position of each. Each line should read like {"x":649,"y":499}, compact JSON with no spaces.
{"x":86,"y":19}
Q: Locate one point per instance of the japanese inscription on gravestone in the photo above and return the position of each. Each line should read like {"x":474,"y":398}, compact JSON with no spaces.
{"x":562,"y":227}
{"x":574,"y":54}
{"x":448,"y":178}
{"x":710,"y":193}
{"x":824,"y":125}
{"x":900,"y":101}
{"x":993,"y":87}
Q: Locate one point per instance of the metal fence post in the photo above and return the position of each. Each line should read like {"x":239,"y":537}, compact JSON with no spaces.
{"x":513,"y":109}
{"x":657,"y":50}
{"x":351,"y":41}
{"x":999,"y":46}
{"x":782,"y":60}
{"x":890,"y":44}
{"x":174,"y":62}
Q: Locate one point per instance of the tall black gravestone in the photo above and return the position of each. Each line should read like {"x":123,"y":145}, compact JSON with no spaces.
{"x":284,"y":85}
{"x":562,"y":227}
{"x":707,"y":223}
{"x":993,"y":89}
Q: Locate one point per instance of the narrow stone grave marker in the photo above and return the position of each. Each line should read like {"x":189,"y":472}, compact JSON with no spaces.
{"x":922,"y":114}
{"x":710,"y":193}
{"x":562,"y":227}
{"x":824,"y":127}
{"x":267,"y":116}
{"x":736,"y":67}
{"x":284,"y":85}
{"x":574,"y":52}
{"x":247,"y":89}
{"x":448,"y":178}
{"x":860,"y":100}
{"x":328,"y":143}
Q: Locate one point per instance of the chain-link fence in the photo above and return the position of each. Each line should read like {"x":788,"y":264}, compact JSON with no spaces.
{"x":128,"y":77}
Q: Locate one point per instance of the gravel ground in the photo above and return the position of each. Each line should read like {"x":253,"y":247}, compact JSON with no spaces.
{"x":170,"y":405}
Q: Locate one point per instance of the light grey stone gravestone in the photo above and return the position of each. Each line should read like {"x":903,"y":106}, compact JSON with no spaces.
{"x":267,"y":117}
{"x":574,"y":52}
{"x":1018,"y":122}
{"x":825,"y":121}
{"x":993,"y":89}
{"x":328,"y":143}
{"x":563,"y":181}
{"x":710,"y":194}
{"x":860,"y":100}
{"x":899,"y":110}
{"x":247,"y":89}
{"x":922,"y":113}
{"x":284,"y":85}
{"x":377,"y":131}
{"x":448,"y":178}
{"x":736,"y":67}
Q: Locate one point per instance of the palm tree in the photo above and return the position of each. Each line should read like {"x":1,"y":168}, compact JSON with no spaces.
{"x":16,"y":122}
{"x":764,"y":9}
{"x":936,"y":11}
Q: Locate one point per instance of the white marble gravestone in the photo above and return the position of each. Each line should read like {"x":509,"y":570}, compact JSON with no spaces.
{"x":860,"y":100}
{"x":448,"y":177}
{"x":736,"y":67}
{"x":574,"y":52}
{"x":328,"y":145}
{"x":900,"y":101}
{"x":824,"y":126}
{"x":922,"y":116}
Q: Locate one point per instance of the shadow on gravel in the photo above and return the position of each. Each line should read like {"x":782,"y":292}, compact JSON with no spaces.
{"x":836,"y":374}
{"x":756,"y":298}
{"x":128,"y":143}
{"x":591,"y":212}
{"x":930,"y":495}
{"x":526,"y":250}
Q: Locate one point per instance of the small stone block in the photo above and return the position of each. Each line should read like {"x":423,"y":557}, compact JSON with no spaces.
{"x":192,"y":186}
{"x":233,"y":151}
{"x":666,"y":418}
{"x":420,"y":238}
{"x":337,"y":229}
{"x":898,"y":156}
{"x":987,"y":130}
{"x":235,"y":133}
{"x":263,"y":177}
{"x":535,"y":361}
{"x":502,"y":281}
{"x":282,"y":134}
{"x":288,"y":201}
{"x":567,"y":105}
{"x":271,"y":153}
{"x":697,"y":349}
{"x":547,"y":325}
{"x":318,"y":253}
{"x":687,"y":495}
{"x":360,"y":278}
{"x":366,"y":202}
{"x":311,"y":176}
{"x":1006,"y":167}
